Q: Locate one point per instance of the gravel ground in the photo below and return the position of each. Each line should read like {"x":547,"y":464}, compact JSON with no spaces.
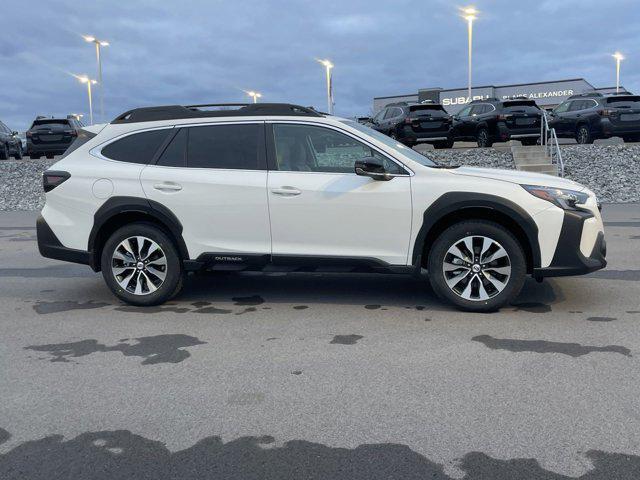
{"x":611,"y":171}
{"x":21,"y":185}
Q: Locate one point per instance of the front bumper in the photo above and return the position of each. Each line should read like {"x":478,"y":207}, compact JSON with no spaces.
{"x":568,"y":258}
{"x":50,"y":247}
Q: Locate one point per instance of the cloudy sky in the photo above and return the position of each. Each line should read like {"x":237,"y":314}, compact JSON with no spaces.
{"x":204,"y":51}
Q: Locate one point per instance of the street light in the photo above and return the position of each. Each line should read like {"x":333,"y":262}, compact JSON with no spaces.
{"x":469,"y":14}
{"x":89,"y":82}
{"x":619,"y":57}
{"x":98,"y":44}
{"x":254,"y":95}
{"x":328,"y":66}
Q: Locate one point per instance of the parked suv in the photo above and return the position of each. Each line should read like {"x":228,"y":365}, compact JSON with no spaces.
{"x":166,"y":190}
{"x":51,"y":136}
{"x":492,"y":120}
{"x":590,"y":116}
{"x":412,"y":123}
{"x":10,"y":143}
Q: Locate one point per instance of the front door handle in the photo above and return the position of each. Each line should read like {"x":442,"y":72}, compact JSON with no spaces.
{"x":286,"y":191}
{"x":168,"y":187}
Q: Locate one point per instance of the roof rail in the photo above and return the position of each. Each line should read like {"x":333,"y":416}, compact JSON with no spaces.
{"x":586,"y":95}
{"x":176,"y":112}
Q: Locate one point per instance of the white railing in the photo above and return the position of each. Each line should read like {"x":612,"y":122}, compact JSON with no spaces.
{"x":549,"y":141}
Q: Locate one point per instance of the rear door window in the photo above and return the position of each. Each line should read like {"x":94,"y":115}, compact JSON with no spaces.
{"x":237,"y":147}
{"x":138,"y":147}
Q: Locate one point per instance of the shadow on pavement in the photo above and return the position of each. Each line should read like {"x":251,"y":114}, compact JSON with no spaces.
{"x":123,"y":455}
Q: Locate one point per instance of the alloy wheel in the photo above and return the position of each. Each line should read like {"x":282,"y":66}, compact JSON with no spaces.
{"x":583,"y":135}
{"x":139,"y":265}
{"x":476,"y":268}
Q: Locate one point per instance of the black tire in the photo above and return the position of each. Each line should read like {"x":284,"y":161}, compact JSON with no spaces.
{"x":18,"y":154}
{"x":583,"y":135}
{"x":174,"y":272}
{"x":483,"y":139}
{"x":4,"y":152}
{"x":49,"y":155}
{"x":440,"y":144}
{"x":529,"y":141}
{"x":497,"y":233}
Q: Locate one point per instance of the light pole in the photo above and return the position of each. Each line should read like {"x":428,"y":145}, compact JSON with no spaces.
{"x":619,"y":57}
{"x":89,"y":82}
{"x":254,"y":95}
{"x":328,"y":66}
{"x":99,"y":44}
{"x":470,"y":14}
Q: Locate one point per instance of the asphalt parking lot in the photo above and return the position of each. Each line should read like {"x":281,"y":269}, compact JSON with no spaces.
{"x":253,"y":376}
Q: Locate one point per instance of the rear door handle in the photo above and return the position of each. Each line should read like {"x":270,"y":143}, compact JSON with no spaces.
{"x":286,"y":191}
{"x":168,"y":187}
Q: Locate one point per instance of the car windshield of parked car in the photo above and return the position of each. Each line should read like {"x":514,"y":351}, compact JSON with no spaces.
{"x":390,"y":142}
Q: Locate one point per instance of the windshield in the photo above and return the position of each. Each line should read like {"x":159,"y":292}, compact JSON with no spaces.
{"x":389,"y":142}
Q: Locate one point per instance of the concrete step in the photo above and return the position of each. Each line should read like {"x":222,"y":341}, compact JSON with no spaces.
{"x":539,"y":168}
{"x":532,"y":160}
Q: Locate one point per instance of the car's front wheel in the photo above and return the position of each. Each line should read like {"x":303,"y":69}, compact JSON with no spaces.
{"x":477,"y":265}
{"x":141,"y":265}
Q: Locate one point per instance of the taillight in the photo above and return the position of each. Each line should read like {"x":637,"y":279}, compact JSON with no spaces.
{"x":51,"y":179}
{"x":408,"y":120}
{"x":503,"y":117}
{"x":607,"y":112}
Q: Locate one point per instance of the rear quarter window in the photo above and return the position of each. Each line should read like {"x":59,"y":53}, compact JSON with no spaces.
{"x":136,"y":148}
{"x":83,"y":137}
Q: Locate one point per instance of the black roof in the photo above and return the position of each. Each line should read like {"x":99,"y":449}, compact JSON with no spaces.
{"x":175,"y":112}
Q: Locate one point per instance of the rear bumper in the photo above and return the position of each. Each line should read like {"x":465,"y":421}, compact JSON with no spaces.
{"x":50,"y":247}
{"x":47,"y":147}
{"x":610,"y":129}
{"x":409,"y":134}
{"x":568,"y":258}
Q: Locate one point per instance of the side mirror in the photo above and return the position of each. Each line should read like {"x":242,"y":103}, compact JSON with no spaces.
{"x":373,"y":168}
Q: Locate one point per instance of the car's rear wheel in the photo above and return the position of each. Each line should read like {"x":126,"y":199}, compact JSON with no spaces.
{"x":4,"y":152}
{"x":477,"y":265}
{"x":529,"y":141}
{"x":50,"y":155}
{"x":583,"y":135}
{"x":483,"y":139}
{"x":141,"y":265}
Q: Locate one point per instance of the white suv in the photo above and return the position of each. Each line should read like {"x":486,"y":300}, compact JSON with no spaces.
{"x":163,"y":191}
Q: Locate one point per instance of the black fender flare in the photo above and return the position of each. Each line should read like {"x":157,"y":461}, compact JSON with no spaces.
{"x":118,"y":205}
{"x":452,"y":202}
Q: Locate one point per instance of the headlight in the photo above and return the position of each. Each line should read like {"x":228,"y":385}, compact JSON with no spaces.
{"x":560,"y":197}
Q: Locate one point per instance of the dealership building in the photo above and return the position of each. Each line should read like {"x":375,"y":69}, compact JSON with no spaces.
{"x":546,"y":94}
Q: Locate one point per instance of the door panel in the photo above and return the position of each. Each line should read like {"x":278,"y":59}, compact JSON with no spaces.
{"x":340,"y":215}
{"x":319,"y":208}
{"x":221,"y":209}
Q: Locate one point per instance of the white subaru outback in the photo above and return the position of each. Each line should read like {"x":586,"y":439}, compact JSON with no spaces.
{"x":162,"y":191}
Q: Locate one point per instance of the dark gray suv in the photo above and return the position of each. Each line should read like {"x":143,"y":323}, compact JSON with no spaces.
{"x":10,"y":144}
